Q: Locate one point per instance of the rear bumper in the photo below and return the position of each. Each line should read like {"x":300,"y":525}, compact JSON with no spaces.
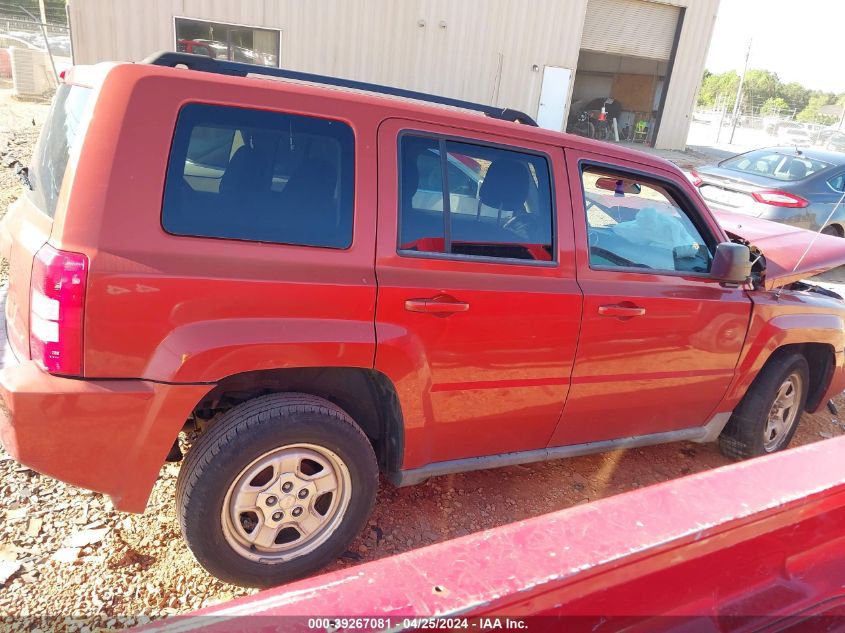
{"x":111,"y":436}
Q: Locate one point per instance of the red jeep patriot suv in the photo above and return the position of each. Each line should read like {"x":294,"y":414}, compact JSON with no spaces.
{"x":332,"y":283}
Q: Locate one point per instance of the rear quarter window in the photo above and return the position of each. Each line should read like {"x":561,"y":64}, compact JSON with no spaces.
{"x":837,"y":183}
{"x":59,"y":136}
{"x":236,"y":173}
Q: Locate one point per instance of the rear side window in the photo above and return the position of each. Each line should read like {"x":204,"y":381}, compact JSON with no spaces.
{"x":775,"y":165}
{"x":474,"y":200}
{"x":260,"y":176}
{"x":58,"y":137}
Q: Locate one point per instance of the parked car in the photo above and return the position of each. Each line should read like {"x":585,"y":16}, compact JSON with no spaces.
{"x":208,"y":48}
{"x":782,"y":184}
{"x":796,"y":134}
{"x":326,"y":284}
{"x":831,"y":139}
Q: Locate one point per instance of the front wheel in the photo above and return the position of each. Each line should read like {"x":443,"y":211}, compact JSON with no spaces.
{"x":276,"y":489}
{"x":768,"y":415}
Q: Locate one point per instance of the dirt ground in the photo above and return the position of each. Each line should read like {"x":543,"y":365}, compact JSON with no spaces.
{"x":77,"y":564}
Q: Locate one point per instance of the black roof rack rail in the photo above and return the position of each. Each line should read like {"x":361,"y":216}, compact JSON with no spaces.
{"x":239,"y":69}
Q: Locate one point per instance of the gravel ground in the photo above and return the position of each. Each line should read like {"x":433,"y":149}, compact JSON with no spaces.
{"x":77,"y":564}
{"x":95,"y":566}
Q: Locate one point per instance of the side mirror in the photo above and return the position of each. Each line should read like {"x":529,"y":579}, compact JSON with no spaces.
{"x":731,"y":263}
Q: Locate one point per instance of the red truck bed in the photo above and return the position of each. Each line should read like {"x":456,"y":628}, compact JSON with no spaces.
{"x":752,"y":546}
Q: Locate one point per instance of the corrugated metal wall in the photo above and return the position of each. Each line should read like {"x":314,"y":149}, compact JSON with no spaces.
{"x":699,"y":20}
{"x":480,"y":50}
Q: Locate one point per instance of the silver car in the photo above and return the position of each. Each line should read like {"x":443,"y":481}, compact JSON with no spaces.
{"x":801,"y":187}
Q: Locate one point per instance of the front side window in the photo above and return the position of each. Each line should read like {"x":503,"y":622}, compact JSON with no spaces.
{"x":260,"y":176}
{"x":474,"y":200}
{"x":632,"y":223}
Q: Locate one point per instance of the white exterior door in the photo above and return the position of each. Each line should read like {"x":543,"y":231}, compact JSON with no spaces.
{"x":553,"y":97}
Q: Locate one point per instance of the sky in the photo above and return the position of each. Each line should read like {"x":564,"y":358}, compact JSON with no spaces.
{"x":800,"y":40}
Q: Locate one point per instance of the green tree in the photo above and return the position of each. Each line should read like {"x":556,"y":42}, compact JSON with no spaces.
{"x":775,"y":106}
{"x":716,"y":88}
{"x":796,"y":95}
{"x":811,"y":113}
{"x":760,"y":86}
{"x":55,"y":10}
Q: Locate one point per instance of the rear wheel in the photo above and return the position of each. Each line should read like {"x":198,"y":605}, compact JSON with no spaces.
{"x":276,"y":489}
{"x":833,"y":230}
{"x":768,"y":415}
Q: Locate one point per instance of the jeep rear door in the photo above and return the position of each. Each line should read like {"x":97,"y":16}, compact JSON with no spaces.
{"x":660,"y":338}
{"x":478,"y":311}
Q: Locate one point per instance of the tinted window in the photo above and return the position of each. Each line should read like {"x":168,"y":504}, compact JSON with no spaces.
{"x":261,"y":176}
{"x":775,"y":165}
{"x":495,"y":202}
{"x":637,"y":224}
{"x":58,"y":138}
{"x":838,"y":182}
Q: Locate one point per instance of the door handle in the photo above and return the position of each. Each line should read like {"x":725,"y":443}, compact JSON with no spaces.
{"x":442,"y":304}
{"x":623,"y":310}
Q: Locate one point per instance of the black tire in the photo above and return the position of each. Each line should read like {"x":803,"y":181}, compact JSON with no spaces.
{"x":744,"y":435}
{"x":585,"y":129}
{"x":832,"y":229}
{"x":244,"y":434}
{"x":602,"y":132}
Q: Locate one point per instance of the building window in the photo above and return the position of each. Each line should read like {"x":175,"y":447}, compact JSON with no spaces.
{"x":228,"y":41}
{"x":237,"y":173}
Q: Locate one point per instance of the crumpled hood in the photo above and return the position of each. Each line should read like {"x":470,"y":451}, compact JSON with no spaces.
{"x":782,"y":247}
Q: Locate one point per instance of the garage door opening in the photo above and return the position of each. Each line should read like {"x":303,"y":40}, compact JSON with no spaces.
{"x":624,"y":68}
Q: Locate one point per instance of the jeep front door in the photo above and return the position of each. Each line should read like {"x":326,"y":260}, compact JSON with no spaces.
{"x":660,"y":338}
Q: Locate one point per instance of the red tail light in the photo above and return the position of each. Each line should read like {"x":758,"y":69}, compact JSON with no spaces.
{"x":57,"y":299}
{"x":696,"y":179}
{"x":780,"y":199}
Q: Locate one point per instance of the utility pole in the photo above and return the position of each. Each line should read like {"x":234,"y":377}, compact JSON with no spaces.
{"x":739,"y":92}
{"x":43,"y":11}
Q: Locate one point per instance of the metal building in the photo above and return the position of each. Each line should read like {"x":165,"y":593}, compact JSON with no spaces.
{"x":539,"y":56}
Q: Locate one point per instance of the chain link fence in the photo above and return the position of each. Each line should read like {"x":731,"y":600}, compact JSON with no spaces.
{"x":756,"y":125}
{"x":33,"y":52}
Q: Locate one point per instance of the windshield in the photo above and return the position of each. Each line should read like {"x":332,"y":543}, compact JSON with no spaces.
{"x":57,"y":139}
{"x":773,"y":164}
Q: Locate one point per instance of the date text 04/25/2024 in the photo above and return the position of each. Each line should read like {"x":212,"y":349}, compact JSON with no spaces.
{"x":482,"y":624}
